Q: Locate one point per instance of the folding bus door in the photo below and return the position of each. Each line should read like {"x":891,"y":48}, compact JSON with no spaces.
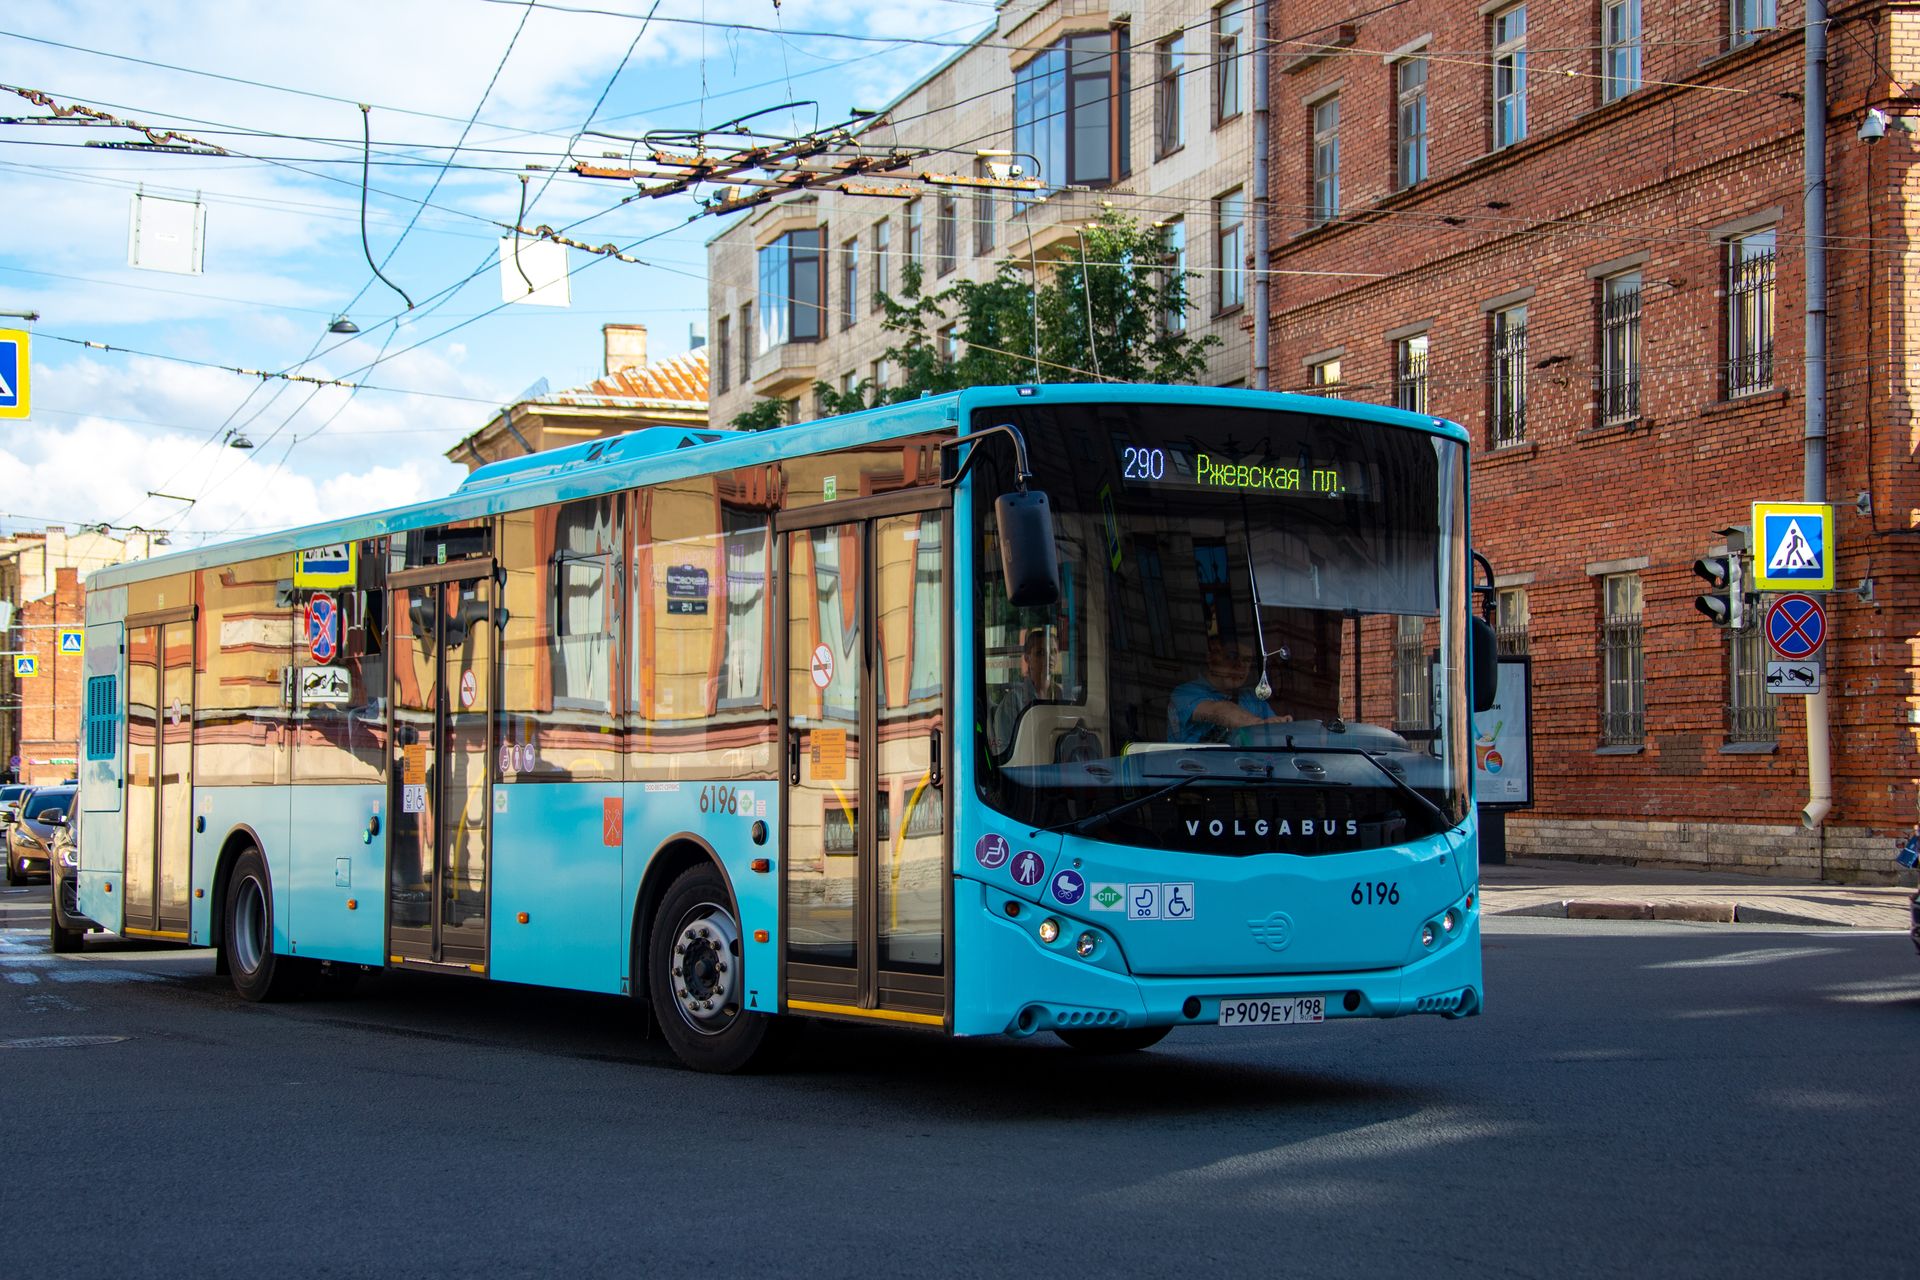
{"x":865,"y":857}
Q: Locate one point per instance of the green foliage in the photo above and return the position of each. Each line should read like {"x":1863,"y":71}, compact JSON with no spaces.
{"x":765,"y":415}
{"x":1112,"y":269}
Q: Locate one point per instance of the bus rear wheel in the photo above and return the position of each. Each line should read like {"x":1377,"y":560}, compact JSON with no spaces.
{"x":696,"y":979}
{"x":246,"y":936}
{"x":1112,"y":1039}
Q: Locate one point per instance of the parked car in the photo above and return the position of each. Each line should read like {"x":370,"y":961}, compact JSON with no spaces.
{"x":30,"y":838}
{"x":10,"y":796}
{"x":69,"y":927}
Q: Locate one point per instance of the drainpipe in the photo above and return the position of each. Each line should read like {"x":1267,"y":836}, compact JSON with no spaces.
{"x":1261,"y":125}
{"x":1814,"y":484}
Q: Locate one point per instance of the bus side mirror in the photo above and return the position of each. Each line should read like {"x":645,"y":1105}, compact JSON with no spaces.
{"x":1028,"y":558}
{"x":1485,"y":655}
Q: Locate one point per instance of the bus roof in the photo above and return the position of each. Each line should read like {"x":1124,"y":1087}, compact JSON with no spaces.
{"x":658,"y":454}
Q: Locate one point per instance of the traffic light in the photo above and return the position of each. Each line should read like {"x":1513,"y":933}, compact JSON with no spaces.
{"x":1726,"y":604}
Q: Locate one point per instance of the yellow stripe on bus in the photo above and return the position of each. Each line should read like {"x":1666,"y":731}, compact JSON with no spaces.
{"x":888,"y":1015}
{"x":171,"y":935}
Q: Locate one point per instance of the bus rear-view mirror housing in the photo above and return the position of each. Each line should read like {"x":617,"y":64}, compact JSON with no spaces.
{"x":1484,"y":652}
{"x":1028,"y":557}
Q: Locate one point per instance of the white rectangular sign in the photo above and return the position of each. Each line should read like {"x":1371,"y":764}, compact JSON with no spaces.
{"x":325,"y":686}
{"x":1793,"y":677}
{"x":1503,"y":740}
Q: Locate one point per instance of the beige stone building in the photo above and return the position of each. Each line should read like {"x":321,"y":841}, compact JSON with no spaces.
{"x":1147,"y":107}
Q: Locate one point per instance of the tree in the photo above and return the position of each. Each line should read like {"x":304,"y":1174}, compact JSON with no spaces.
{"x":1099,"y":316}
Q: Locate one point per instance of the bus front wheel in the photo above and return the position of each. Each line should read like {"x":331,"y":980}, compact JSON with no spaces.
{"x":1112,"y":1039}
{"x":696,"y":979}
{"x":246,"y":935}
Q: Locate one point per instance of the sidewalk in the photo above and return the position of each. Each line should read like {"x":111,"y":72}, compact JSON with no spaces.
{"x":1585,"y":891}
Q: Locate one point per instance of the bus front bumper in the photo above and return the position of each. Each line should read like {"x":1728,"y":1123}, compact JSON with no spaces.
{"x":1016,"y":985}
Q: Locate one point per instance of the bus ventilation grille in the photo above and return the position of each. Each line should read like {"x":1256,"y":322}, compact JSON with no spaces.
{"x":1088,"y":1018}
{"x":1446,"y":1003}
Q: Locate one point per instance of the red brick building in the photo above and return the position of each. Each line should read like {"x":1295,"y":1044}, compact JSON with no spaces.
{"x":1577,"y":229}
{"x":50,"y":700}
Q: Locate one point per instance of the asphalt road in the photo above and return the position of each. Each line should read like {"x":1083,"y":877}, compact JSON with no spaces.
{"x":1638,"y":1098}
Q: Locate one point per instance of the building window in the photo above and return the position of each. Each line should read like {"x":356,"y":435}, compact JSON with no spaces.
{"x":1069,"y":113}
{"x":946,"y":233}
{"x":982,"y":211}
{"x":1623,"y":706}
{"x":1174,"y":319}
{"x":916,"y":244}
{"x":1169,"y":113}
{"x":1750,"y":708}
{"x":882,"y":252}
{"x":793,"y":284}
{"x":1410,"y":374}
{"x":1411,"y":679}
{"x":1750,"y":19}
{"x":849,"y":388}
{"x":950,"y":345}
{"x":1229,"y":29}
{"x":1619,"y":48}
{"x":1230,"y":245}
{"x":1410,"y":117}
{"x":850,"y":283}
{"x":1323,"y":376}
{"x":1509,"y":416}
{"x":1510,"y":77}
{"x":1326,"y":159}
{"x":1511,"y":617}
{"x":1620,"y":347}
{"x":1750,"y":312}
{"x":882,"y":370}
{"x":723,"y":348}
{"x":745,"y":329}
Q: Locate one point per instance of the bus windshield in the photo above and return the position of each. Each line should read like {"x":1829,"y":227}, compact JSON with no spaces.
{"x":1260,"y":639}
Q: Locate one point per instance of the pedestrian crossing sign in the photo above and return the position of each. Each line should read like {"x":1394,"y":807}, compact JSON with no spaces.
{"x":25,"y":664}
{"x":73,"y":640}
{"x":14,"y":370}
{"x":1795,"y":551}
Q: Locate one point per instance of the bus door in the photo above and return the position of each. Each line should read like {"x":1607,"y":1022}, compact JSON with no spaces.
{"x":865,"y":852}
{"x":158,"y":877}
{"x":443,"y":627}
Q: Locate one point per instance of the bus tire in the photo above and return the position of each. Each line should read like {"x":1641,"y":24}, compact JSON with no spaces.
{"x":246,"y":935}
{"x":696,"y":979}
{"x":67,"y":941}
{"x":1112,"y":1039}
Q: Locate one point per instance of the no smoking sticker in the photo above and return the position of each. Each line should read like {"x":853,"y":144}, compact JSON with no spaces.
{"x":469,"y":688}
{"x":822,"y":666}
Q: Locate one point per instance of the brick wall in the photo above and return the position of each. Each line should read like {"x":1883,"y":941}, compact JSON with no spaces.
{"x":51,"y":701}
{"x":1710,"y":142}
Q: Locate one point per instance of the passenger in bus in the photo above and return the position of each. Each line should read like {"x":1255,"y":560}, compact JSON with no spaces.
{"x":1208,"y":709}
{"x":1033,"y":684}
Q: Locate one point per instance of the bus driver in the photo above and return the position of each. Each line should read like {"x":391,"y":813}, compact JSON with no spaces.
{"x":1207,"y":709}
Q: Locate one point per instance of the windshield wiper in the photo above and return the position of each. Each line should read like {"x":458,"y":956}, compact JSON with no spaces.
{"x":1080,"y":826}
{"x":1434,"y":811}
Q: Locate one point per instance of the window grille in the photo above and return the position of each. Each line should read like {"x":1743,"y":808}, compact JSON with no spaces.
{"x":1623,"y":708}
{"x":1509,"y":418}
{"x":1750,"y":263}
{"x":1750,"y":707}
{"x":103,"y":717}
{"x":1620,"y":348}
{"x":1410,"y":680}
{"x":1511,"y":618}
{"x":1410,"y":374}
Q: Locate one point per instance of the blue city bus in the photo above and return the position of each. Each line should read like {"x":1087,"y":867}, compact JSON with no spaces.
{"x":1094,"y":710}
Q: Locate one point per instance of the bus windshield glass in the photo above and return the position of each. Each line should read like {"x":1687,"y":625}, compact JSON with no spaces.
{"x":1259,"y":643}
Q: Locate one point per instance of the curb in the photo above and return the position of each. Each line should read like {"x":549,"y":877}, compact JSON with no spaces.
{"x":1700,"y":912}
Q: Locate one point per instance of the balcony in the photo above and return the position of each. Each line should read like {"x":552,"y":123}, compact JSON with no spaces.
{"x":783,"y":372}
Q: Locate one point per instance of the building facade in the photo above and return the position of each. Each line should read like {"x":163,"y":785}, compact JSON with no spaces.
{"x":1578,"y":230}
{"x":1144,"y":108}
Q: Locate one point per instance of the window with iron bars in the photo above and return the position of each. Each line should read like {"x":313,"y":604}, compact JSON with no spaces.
{"x":1509,"y":417}
{"x":1623,"y":694}
{"x":1620,"y":348}
{"x":1410,"y":677}
{"x":1750,"y":707}
{"x":1410,"y":374}
{"x":1750,"y":260}
{"x":1510,"y":619}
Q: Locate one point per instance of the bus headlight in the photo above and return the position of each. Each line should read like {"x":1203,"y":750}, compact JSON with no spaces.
{"x":1049,"y":929}
{"x":1426,"y":935}
{"x":1085,"y":944}
{"x":1449,"y":922}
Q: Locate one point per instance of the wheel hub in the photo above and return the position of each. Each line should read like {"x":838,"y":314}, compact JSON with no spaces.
{"x":704,"y":969}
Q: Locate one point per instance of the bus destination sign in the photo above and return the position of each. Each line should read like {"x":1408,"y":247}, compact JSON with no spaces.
{"x":1174,"y":466}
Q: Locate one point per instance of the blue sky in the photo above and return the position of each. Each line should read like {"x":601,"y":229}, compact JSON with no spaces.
{"x":283,"y":250}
